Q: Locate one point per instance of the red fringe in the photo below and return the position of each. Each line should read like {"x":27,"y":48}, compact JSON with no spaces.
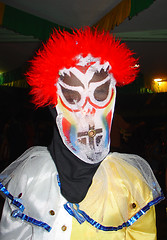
{"x":61,"y":50}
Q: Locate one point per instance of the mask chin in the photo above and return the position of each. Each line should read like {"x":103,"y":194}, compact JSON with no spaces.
{"x":92,"y":156}
{"x":86,"y":137}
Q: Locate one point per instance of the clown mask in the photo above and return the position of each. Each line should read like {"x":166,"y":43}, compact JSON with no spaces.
{"x":86,"y":99}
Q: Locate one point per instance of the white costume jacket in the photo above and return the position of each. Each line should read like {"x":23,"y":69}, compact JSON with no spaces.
{"x":121,"y":193}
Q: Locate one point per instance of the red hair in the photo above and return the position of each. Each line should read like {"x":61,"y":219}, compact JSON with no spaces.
{"x":60,"y":52}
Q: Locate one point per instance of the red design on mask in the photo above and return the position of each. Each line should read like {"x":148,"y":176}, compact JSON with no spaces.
{"x":108,"y":119}
{"x":66,"y":129}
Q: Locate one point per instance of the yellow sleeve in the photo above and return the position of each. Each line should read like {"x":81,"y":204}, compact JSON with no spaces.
{"x":144,"y":228}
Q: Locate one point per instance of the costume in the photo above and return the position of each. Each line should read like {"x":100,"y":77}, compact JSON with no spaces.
{"x":74,"y":188}
{"x":42,"y":200}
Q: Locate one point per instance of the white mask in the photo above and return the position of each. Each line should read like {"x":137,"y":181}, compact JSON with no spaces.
{"x":86,"y":100}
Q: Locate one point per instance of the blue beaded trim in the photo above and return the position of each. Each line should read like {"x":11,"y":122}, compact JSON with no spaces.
{"x":70,"y":209}
{"x":22,"y":216}
{"x":74,"y":212}
{"x":15,"y":201}
{"x":58,"y":181}
{"x":19,"y":212}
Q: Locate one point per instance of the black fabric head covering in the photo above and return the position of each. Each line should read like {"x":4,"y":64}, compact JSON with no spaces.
{"x":74,"y":174}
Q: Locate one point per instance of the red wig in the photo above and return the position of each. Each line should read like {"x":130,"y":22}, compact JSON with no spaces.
{"x":61,"y":51}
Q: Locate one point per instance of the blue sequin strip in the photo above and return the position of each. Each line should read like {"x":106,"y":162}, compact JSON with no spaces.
{"x":58,"y":181}
{"x":70,"y":209}
{"x":15,"y":201}
{"x":19,"y":212}
{"x":74,"y":212}
{"x":22,"y":216}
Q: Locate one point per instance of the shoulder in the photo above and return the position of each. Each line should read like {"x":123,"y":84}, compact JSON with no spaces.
{"x":37,"y":157}
{"x":34,"y":174}
{"x":128,"y":162}
{"x":36,"y":161}
{"x":32,"y":163}
{"x":132,"y":170}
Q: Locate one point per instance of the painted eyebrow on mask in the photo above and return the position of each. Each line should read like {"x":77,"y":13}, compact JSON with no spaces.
{"x":71,"y":80}
{"x":99,"y":76}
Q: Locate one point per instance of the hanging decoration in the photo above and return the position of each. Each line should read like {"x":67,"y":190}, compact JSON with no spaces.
{"x":125,"y":9}
{"x":14,"y":78}
{"x":29,"y":25}
{"x":25,"y":23}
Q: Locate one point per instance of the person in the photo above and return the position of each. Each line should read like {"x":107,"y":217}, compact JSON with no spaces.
{"x":119,"y":126}
{"x":122,"y":133}
{"x":75,"y":188}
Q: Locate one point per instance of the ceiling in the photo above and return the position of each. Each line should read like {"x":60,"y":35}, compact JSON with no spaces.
{"x":146,"y":33}
{"x":78,"y":13}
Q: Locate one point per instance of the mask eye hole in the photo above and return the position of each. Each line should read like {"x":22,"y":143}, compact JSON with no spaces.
{"x":99,"y":76}
{"x":71,"y":80}
{"x":71,"y":96}
{"x":101,"y":92}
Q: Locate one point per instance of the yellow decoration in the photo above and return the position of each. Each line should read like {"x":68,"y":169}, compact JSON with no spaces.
{"x":116,"y":16}
{"x":19,"y":84}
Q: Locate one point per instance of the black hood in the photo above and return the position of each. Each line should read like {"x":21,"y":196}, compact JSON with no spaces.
{"x":74,"y":174}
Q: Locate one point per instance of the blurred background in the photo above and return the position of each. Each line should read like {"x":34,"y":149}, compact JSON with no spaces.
{"x":141,"y":107}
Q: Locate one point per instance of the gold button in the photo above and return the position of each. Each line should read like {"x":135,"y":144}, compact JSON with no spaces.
{"x":91,"y":133}
{"x":52,"y":212}
{"x":63,"y":228}
{"x":133,"y":205}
